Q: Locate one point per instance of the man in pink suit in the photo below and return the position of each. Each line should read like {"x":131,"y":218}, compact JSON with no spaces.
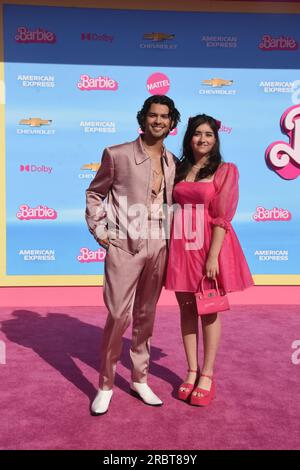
{"x":126,"y":214}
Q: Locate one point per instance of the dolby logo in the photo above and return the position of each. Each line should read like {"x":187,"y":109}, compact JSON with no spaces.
{"x":97,"y":37}
{"x":36,"y":169}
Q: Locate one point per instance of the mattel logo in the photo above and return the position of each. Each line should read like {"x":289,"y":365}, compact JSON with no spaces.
{"x":276,"y":215}
{"x":35,"y":168}
{"x":99,"y":83}
{"x":39,"y":212}
{"x":89,"y":256}
{"x":96,"y":37}
{"x":158,"y":84}
{"x":283,"y":43}
{"x":39,"y":35}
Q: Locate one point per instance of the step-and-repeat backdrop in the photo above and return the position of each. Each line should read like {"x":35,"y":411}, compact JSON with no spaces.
{"x":74,"y":81}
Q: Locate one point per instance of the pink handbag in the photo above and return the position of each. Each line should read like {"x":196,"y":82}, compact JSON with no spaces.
{"x":211,"y":300}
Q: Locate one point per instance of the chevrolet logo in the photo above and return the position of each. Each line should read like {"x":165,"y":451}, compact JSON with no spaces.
{"x":35,"y":122}
{"x":216,"y":82}
{"x":91,"y":166}
{"x":158,"y":36}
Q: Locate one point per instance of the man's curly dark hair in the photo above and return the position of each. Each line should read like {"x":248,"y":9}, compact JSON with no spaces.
{"x":158,"y":99}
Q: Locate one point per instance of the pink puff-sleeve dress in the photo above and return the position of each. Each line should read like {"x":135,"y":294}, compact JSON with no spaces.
{"x":217,"y":200}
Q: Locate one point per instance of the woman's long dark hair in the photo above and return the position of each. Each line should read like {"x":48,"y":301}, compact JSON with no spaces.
{"x":187,"y":160}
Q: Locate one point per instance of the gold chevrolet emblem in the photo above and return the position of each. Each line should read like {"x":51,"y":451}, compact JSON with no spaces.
{"x":158,"y":36}
{"x":91,"y":166}
{"x":35,"y":122}
{"x":216,"y":82}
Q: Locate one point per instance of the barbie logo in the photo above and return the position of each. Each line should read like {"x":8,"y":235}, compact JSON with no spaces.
{"x":268,"y":43}
{"x":89,"y":256}
{"x":284,"y":158}
{"x":265,"y":215}
{"x":39,"y":212}
{"x":39,"y":35}
{"x":158,"y":84}
{"x":99,"y":83}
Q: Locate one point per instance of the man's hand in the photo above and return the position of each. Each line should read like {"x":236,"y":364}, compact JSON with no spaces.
{"x":104,"y":243}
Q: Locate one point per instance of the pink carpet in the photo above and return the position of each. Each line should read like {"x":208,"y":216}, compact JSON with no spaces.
{"x":50,"y":376}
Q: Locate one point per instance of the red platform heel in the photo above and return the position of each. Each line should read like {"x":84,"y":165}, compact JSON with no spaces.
{"x":185,"y":388}
{"x":206,"y":395}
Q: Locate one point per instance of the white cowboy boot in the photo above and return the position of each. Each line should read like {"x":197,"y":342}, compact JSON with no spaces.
{"x":101,"y":402}
{"x":144,"y":392}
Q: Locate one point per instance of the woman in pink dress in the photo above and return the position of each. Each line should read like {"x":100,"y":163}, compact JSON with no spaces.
{"x":206,"y":193}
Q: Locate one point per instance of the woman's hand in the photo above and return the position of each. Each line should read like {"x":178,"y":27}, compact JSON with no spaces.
{"x":212,"y":267}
